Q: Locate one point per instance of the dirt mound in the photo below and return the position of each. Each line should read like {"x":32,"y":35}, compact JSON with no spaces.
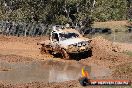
{"x":101,"y":44}
{"x":105,"y":53}
{"x":14,"y":58}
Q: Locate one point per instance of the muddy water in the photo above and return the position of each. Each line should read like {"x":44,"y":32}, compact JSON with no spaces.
{"x":25,"y":72}
{"x":45,"y":71}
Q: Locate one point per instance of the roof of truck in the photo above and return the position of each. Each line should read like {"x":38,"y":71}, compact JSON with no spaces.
{"x":67,"y":30}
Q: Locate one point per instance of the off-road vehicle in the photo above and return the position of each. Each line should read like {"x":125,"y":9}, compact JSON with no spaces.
{"x":65,"y":41}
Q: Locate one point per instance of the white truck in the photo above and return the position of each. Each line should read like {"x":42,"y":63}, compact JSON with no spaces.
{"x":65,"y":41}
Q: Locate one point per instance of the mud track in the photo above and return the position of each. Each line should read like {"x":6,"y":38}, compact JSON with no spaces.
{"x":23,"y":53}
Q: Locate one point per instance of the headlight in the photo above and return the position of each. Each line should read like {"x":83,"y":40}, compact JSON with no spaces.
{"x":84,"y":43}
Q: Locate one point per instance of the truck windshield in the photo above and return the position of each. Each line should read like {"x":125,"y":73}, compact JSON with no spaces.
{"x":64,"y":36}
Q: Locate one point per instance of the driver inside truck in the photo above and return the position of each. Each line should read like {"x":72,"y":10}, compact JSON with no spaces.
{"x":55,"y":37}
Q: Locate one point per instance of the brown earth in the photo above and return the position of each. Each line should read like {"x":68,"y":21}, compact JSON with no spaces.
{"x":105,"y":54}
{"x":14,"y":58}
{"x":21,"y":46}
{"x":68,"y":84}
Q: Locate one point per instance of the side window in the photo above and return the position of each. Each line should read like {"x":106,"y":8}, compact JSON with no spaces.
{"x":55,"y":37}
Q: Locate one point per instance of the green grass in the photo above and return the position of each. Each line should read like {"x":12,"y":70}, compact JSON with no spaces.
{"x":115,"y":37}
{"x":128,"y":53}
{"x":114,"y":25}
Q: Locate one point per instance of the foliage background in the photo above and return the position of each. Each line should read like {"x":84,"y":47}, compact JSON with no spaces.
{"x":63,"y":11}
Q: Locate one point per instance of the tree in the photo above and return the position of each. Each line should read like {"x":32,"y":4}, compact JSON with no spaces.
{"x":74,"y":11}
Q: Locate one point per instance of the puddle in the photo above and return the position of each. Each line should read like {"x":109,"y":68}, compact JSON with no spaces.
{"x":43,"y":71}
{"x":25,"y":72}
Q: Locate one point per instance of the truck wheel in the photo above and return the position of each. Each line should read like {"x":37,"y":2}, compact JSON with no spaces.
{"x":65,"y":55}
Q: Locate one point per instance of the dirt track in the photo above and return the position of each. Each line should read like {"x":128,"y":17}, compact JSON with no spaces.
{"x":106,"y":56}
{"x":26,"y":47}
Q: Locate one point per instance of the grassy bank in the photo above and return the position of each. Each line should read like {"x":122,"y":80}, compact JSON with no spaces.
{"x":114,"y":25}
{"x":128,"y":53}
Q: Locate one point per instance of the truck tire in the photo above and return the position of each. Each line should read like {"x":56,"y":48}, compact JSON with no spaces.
{"x":65,"y":55}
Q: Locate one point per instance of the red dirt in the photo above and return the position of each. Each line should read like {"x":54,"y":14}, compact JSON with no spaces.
{"x":22,"y":46}
{"x":68,"y":84}
{"x":14,"y":58}
{"x":105,"y":54}
{"x":123,"y":71}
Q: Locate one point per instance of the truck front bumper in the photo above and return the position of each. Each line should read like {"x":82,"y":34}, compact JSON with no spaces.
{"x":79,"y":49}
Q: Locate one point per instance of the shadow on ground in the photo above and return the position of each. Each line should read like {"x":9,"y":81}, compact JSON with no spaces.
{"x":79,"y":56}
